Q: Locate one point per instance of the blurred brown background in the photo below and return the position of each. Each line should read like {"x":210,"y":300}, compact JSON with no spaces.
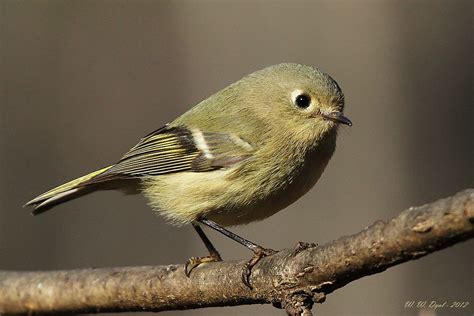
{"x":82,"y":81}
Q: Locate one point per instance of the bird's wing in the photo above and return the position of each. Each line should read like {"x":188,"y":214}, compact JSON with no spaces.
{"x":175,"y":149}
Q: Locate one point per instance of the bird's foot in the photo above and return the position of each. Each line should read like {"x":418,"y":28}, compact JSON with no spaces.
{"x":258,"y":254}
{"x":194,"y":262}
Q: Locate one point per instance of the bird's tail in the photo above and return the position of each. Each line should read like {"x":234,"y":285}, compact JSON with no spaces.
{"x":68,"y":191}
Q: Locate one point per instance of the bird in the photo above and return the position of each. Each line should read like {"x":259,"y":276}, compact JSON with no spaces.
{"x":239,"y":156}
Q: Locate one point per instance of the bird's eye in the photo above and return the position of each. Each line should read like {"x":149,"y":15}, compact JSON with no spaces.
{"x":303,"y":101}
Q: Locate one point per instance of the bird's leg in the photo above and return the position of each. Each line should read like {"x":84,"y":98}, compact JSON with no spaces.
{"x":258,"y":251}
{"x":214,"y":255}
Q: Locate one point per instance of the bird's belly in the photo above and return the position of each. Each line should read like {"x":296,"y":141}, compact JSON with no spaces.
{"x":300,"y":183}
{"x":183,"y":197}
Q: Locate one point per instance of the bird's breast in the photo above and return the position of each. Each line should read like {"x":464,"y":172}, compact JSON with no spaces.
{"x":268,"y":191}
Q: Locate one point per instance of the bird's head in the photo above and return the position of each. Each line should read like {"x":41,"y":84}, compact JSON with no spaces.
{"x":298,"y":98}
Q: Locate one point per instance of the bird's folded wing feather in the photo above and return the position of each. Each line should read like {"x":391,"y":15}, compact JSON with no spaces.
{"x":175,"y":149}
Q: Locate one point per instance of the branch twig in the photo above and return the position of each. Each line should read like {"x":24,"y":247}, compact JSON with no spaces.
{"x":292,"y":279}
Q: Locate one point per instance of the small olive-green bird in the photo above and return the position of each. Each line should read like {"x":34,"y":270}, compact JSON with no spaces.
{"x":241,"y":155}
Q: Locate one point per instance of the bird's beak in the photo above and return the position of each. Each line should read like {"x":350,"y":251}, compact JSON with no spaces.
{"x":337,"y":117}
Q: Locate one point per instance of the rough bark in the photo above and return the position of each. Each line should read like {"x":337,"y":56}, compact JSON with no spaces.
{"x":292,"y":279}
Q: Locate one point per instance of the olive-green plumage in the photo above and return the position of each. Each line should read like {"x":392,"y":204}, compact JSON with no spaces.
{"x":241,"y":155}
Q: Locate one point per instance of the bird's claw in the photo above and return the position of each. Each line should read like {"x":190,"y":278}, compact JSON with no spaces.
{"x":258,"y":254}
{"x":194,"y":262}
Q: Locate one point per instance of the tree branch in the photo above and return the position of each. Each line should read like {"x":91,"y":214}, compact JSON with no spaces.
{"x":292,"y":279}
